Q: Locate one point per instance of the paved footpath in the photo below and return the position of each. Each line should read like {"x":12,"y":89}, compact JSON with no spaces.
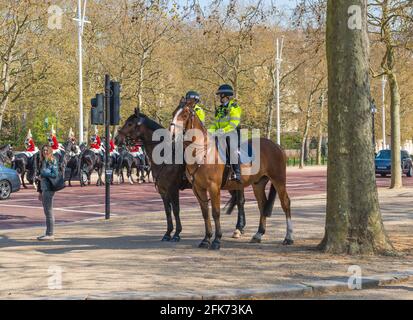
{"x":124,"y":258}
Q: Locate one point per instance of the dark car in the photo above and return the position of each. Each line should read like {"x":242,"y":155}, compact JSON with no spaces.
{"x":383,"y":163}
{"x":9,"y":182}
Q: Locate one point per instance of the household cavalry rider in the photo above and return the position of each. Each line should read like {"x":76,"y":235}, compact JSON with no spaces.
{"x":56,"y":146}
{"x":194,"y":96}
{"x":227,"y":124}
{"x":31,"y":148}
{"x":75,"y":151}
{"x":112,"y":147}
{"x":96,"y":144}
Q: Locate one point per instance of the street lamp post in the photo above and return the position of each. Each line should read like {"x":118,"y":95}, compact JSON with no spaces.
{"x":278,"y":61}
{"x":383,"y":88}
{"x":81,"y":21}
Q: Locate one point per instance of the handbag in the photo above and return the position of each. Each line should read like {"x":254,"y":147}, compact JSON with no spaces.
{"x":58,"y":183}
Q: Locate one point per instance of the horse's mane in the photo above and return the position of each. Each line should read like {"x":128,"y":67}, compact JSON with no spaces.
{"x":151,"y":124}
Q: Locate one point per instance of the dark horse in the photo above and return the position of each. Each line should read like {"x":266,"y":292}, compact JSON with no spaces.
{"x":25,"y":165}
{"x":6,"y":154}
{"x":126,"y":160}
{"x":89,"y":162}
{"x":73,"y":162}
{"x":167,"y":177}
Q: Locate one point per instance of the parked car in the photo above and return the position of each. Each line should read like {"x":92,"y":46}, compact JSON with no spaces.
{"x":383,"y":163}
{"x":9,"y":182}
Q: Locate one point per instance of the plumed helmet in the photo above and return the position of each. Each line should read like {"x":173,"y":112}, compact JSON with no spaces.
{"x":29,"y":134}
{"x":71,"y":134}
{"x":226,"y":90}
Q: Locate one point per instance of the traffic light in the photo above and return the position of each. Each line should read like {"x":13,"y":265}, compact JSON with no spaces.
{"x":97,"y":112}
{"x":114,"y":103}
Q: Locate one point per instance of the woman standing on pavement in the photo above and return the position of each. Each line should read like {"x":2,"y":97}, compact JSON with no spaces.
{"x":48,"y":170}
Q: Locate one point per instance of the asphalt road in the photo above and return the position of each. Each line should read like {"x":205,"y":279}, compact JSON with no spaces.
{"x":73,"y":204}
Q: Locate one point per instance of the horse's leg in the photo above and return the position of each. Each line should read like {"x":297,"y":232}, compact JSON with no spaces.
{"x":22,"y":177}
{"x":129,"y":173}
{"x":175,"y":208}
{"x":259,"y":192}
{"x":170,"y":226}
{"x":280,"y":186}
{"x":240,"y":201}
{"x":215,"y":195}
{"x":99,"y":182}
{"x":202,"y":196}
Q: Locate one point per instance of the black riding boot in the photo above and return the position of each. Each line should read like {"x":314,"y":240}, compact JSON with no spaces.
{"x":237,"y":172}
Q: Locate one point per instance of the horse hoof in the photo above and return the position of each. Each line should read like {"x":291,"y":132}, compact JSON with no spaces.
{"x":216,"y":245}
{"x":176,"y":239}
{"x":204,"y":245}
{"x":237,"y":234}
{"x":166,"y":238}
{"x":288,"y":242}
{"x":255,"y":240}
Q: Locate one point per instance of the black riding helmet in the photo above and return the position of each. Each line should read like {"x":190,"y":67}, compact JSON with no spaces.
{"x":225,"y":90}
{"x":192,"y":95}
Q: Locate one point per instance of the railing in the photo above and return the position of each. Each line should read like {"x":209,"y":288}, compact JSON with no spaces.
{"x":292,"y":162}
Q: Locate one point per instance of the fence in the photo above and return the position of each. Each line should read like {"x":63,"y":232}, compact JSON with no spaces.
{"x":293,"y":161}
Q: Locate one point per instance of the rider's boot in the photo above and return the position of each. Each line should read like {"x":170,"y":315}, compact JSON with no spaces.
{"x":236,"y":172}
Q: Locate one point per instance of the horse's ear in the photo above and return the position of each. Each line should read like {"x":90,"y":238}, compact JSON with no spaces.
{"x":137,"y":112}
{"x":182,"y":102}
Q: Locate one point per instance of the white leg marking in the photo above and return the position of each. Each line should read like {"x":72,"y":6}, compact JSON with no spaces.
{"x":289,"y":235}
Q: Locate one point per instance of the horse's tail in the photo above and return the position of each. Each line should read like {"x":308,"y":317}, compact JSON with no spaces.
{"x":269,"y":204}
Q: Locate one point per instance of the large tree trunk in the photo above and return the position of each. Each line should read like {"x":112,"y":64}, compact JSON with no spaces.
{"x":396,"y":171}
{"x":353,"y":221}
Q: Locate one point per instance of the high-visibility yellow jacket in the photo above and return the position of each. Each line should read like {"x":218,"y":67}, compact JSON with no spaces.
{"x":200,"y":112}
{"x":227,"y":118}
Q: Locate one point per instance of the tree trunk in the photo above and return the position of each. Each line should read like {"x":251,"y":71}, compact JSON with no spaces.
{"x":320,"y":130}
{"x":396,"y":171}
{"x":304,"y":138}
{"x":353,"y":220}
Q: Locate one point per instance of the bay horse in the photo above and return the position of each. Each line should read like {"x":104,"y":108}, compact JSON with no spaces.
{"x":208,"y":178}
{"x":168,"y":177}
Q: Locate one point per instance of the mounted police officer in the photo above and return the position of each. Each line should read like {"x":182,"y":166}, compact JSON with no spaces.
{"x":197,"y":106}
{"x":227,"y":122}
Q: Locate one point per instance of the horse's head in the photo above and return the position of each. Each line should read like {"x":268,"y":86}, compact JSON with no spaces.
{"x":134,"y":128}
{"x":184,"y":118}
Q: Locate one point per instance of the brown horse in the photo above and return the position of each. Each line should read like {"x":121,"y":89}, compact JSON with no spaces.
{"x":168,"y":178}
{"x":207,"y":178}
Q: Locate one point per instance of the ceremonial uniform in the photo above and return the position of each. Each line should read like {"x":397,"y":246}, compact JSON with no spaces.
{"x":31,"y":148}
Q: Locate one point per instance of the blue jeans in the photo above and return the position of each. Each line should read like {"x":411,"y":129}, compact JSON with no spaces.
{"x":47,"y":201}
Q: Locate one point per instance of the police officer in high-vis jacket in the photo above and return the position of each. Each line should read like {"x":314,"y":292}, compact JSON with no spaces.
{"x":227,"y":121}
{"x":197,"y":107}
